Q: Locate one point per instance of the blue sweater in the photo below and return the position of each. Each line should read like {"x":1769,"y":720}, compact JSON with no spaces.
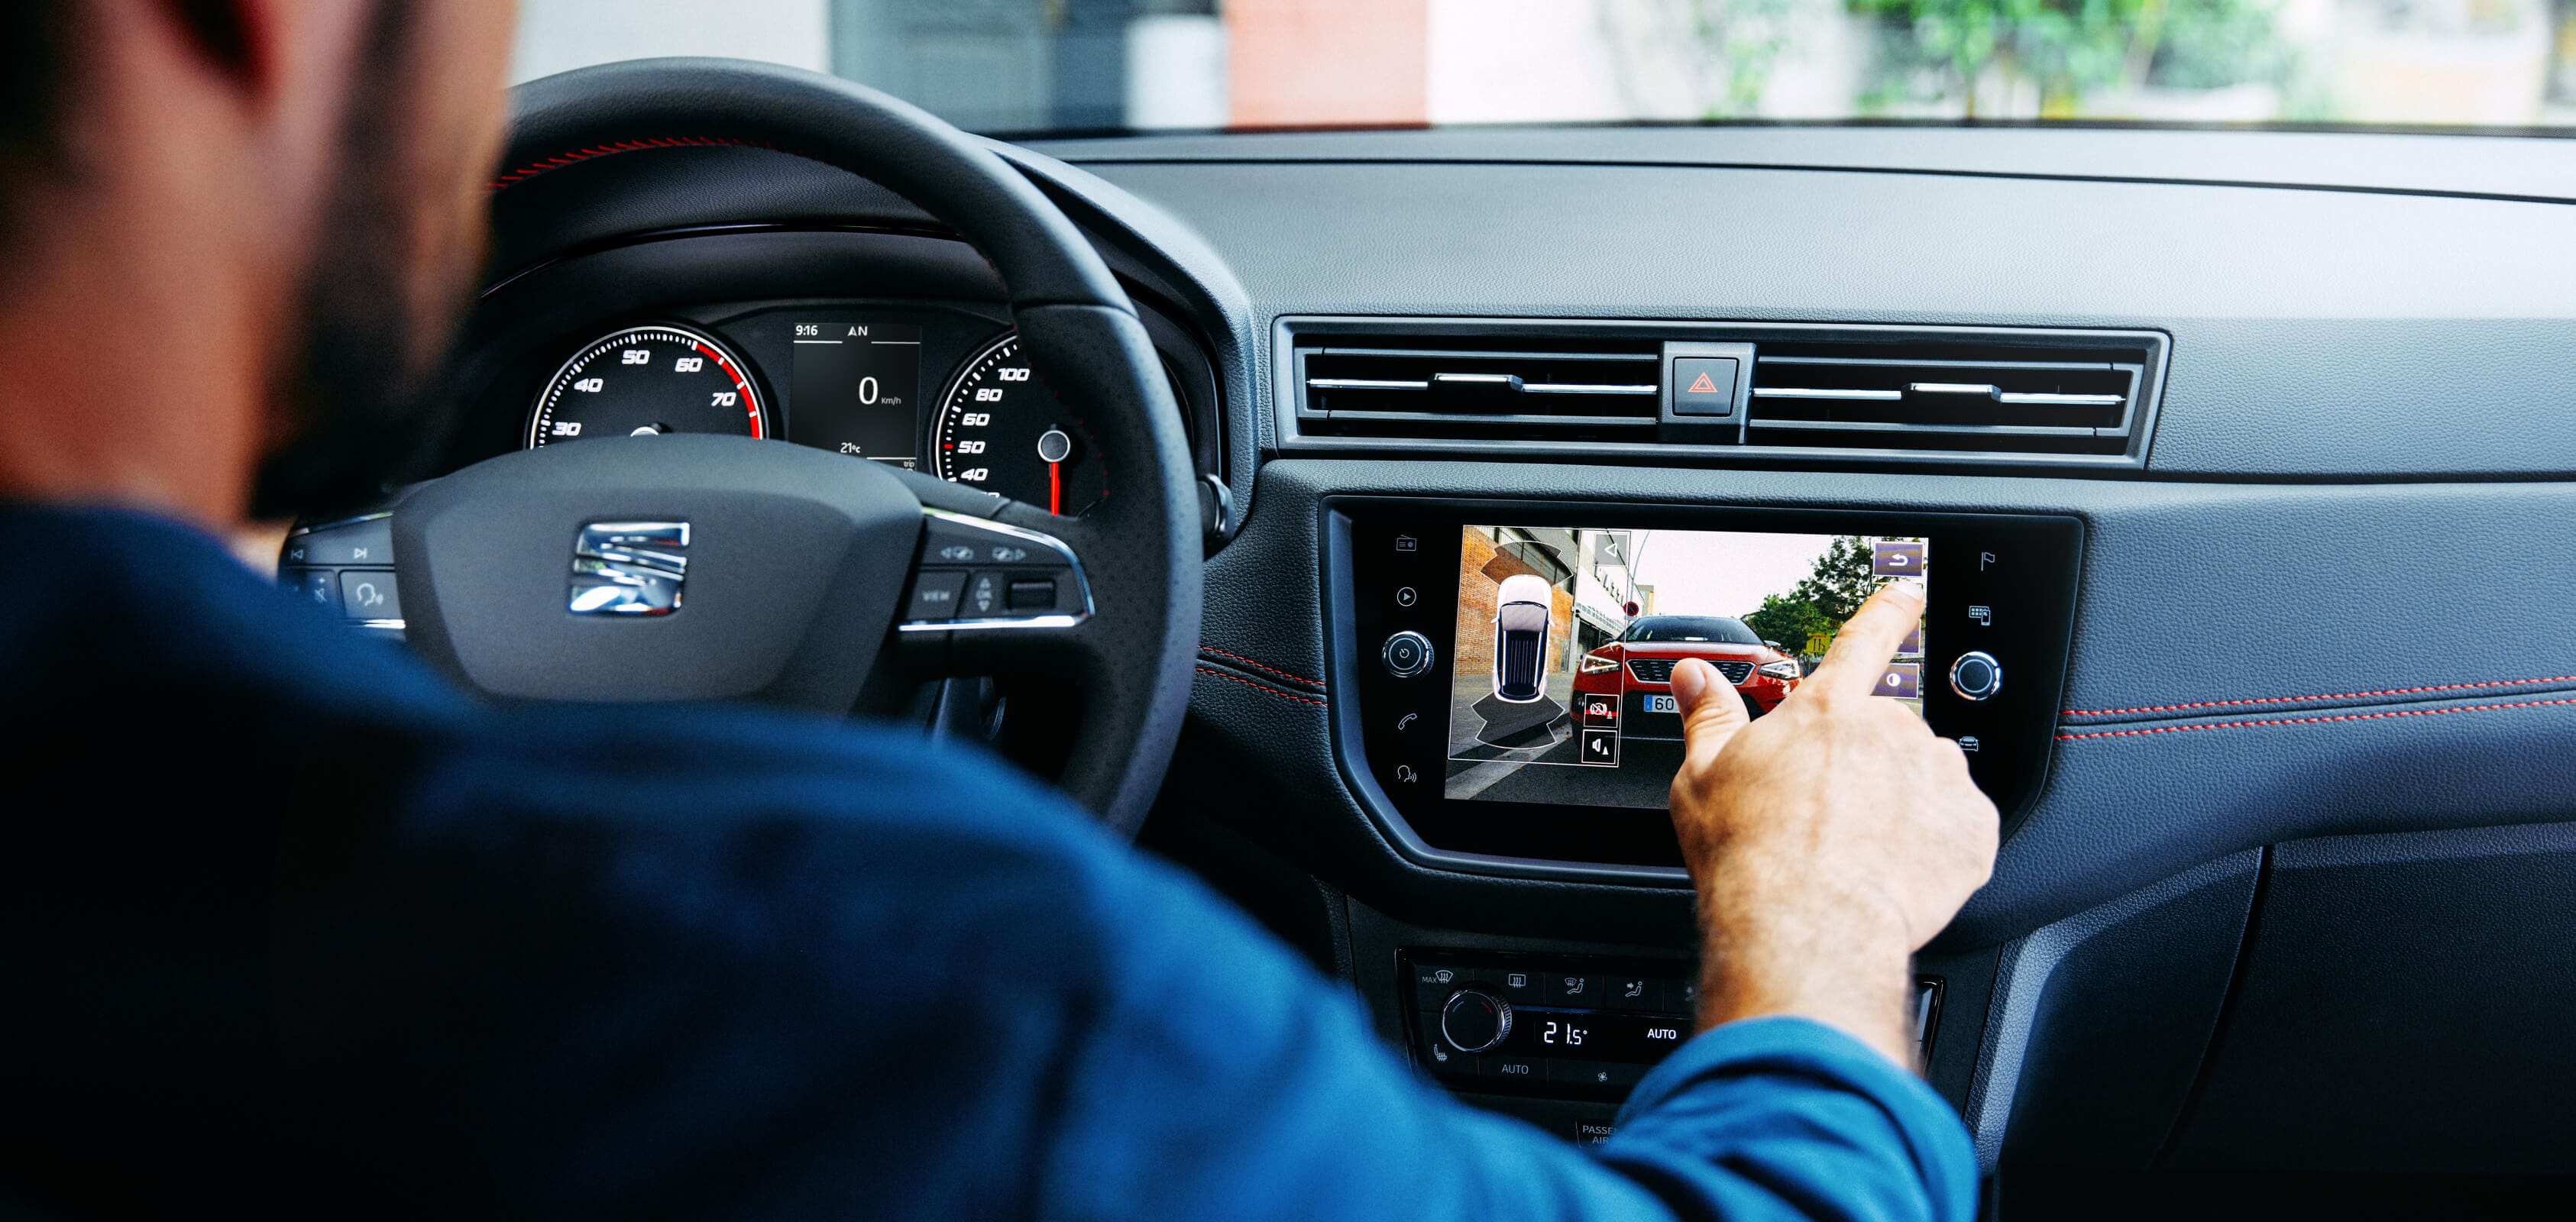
{"x":289,"y":922}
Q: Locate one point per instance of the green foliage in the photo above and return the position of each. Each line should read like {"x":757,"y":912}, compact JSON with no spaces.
{"x":1788,"y":621}
{"x":1821,"y":601}
{"x":2074,"y":48}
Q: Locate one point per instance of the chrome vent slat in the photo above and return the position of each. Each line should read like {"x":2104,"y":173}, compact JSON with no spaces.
{"x":1809,"y":392}
{"x":1939,"y":403}
{"x":1437,"y":390}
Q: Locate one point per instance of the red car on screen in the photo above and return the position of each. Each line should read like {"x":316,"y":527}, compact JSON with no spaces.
{"x":1629,"y":682}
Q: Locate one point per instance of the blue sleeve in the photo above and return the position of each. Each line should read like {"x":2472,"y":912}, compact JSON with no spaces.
{"x":1233,"y":1082}
{"x":780,"y":972}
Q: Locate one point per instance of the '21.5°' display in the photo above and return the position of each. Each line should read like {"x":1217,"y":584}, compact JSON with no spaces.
{"x":1567,"y":640}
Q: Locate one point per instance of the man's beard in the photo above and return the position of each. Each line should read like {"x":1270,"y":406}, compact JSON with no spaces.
{"x":360,"y":406}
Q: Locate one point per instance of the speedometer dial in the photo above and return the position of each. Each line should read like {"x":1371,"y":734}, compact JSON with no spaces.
{"x":648,"y":380}
{"x":1000,"y":429}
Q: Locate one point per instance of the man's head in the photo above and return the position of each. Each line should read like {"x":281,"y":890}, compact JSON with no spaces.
{"x":244,"y":229}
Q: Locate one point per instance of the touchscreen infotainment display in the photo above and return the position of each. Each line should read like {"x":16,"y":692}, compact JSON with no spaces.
{"x":1566,"y":640}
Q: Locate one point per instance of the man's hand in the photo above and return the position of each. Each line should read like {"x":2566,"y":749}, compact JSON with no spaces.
{"x":1829,"y":841}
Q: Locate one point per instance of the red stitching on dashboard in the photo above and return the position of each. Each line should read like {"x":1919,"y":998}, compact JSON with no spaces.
{"x":2395,"y":691}
{"x":1258,"y":666}
{"x":534,"y":168}
{"x":1260,"y":687}
{"x":2304,"y":721}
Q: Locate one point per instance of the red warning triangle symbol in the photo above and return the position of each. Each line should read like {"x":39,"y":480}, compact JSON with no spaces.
{"x":1702,"y":387}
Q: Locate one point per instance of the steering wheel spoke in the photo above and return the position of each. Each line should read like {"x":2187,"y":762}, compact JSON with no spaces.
{"x":990,"y":597}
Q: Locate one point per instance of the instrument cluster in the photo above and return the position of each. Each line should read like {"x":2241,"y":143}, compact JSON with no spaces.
{"x":935,"y":388}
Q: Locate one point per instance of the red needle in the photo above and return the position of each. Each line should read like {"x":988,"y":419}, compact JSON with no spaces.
{"x":1055,"y":488}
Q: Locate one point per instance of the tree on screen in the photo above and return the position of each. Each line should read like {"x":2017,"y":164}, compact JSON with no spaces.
{"x":1841,"y":581}
{"x":1821,"y":601}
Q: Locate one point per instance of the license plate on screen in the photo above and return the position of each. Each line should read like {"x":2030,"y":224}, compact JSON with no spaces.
{"x":1662,"y":704}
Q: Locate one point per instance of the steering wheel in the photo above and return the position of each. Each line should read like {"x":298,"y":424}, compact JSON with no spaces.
{"x":660,"y":568}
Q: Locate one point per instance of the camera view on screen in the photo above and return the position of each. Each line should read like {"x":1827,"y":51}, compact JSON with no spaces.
{"x":1567,"y":639}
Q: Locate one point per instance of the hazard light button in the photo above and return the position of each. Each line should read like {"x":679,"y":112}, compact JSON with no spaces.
{"x":1703,"y":386}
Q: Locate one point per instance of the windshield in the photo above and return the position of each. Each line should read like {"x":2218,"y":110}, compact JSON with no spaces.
{"x":1667,"y":629}
{"x":1029,"y":67}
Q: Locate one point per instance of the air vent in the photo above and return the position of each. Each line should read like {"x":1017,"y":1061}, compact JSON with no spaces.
{"x":1810,"y":395}
{"x":1930,"y":396}
{"x":1454,"y":389}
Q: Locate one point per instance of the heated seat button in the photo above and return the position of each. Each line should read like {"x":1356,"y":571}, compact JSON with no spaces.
{"x":1573,"y":989}
{"x":1448,"y":1062}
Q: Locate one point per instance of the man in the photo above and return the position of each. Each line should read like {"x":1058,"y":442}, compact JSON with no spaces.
{"x":289,"y":925}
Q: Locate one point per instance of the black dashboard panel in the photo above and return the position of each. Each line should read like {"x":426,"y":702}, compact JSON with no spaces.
{"x":2315,"y":334}
{"x":2328,"y":605}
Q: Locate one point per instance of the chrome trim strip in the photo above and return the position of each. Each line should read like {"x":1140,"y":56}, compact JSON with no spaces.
{"x":337,"y":523}
{"x":1581,"y":388}
{"x":1366,"y":384}
{"x":2070,"y":400}
{"x":380,"y":623}
{"x":956,"y":625}
{"x":1986,"y":389}
{"x":1800,"y":392}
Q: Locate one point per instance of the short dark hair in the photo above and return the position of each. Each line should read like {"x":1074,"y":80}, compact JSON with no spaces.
{"x":38,"y":43}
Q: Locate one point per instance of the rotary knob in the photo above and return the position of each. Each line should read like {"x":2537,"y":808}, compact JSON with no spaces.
{"x":1976,"y":675}
{"x":1473,"y":1020}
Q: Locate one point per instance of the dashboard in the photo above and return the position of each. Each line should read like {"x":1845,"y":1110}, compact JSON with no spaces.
{"x":2231,"y":461}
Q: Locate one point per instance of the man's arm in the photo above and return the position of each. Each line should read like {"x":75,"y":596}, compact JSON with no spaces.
{"x":1828,"y":842}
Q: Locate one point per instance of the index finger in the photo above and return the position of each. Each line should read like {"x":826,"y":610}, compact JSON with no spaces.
{"x":1860,"y":653}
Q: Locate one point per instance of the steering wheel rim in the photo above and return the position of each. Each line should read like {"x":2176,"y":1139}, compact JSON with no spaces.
{"x":1138,"y":548}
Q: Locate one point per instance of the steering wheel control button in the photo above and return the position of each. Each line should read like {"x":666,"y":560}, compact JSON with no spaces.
{"x":934,"y":596}
{"x":369,"y":594}
{"x":1703,"y":386}
{"x":320,"y":587}
{"x":1474,"y":1020}
{"x":1406,"y":654}
{"x":983,"y":596}
{"x":1976,"y":675}
{"x":359,"y":541}
{"x":1030,"y":594}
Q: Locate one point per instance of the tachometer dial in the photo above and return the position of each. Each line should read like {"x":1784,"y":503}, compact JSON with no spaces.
{"x":1000,"y":429}
{"x":648,"y":380}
